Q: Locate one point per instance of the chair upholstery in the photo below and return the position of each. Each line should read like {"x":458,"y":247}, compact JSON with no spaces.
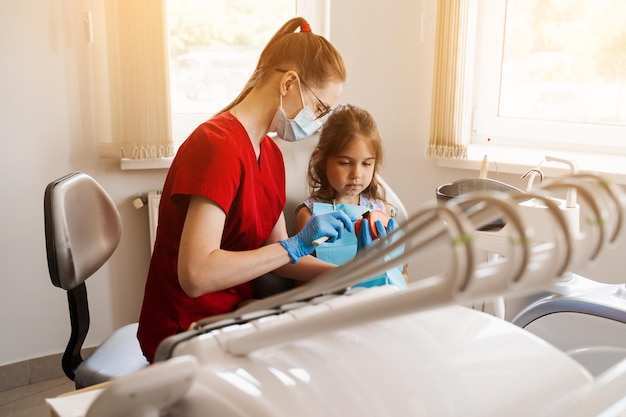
{"x":83,"y":228}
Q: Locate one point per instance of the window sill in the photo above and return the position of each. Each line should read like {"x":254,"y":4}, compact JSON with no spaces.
{"x":127,"y":164}
{"x":511,"y":160}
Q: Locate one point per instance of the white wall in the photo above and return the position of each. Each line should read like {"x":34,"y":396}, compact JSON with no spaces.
{"x":46,"y":131}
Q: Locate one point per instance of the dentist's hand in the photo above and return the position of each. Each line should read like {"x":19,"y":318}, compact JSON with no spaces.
{"x":330,"y":224}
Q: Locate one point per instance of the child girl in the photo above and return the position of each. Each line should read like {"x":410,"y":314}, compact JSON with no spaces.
{"x":342,"y":175}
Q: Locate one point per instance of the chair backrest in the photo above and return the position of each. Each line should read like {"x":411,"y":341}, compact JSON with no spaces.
{"x":82,"y":228}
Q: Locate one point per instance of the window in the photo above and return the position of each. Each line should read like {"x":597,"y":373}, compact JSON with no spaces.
{"x":536,"y":77}
{"x":550,"y":73}
{"x":160,"y":71}
{"x":214,"y":47}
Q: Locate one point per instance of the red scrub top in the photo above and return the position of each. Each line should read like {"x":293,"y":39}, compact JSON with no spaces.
{"x":217,"y":161}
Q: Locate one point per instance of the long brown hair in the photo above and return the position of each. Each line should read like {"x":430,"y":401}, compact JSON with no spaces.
{"x":312,"y":56}
{"x":345,"y":124}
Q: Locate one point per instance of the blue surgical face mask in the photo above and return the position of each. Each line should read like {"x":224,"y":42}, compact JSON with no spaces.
{"x":300,"y":127}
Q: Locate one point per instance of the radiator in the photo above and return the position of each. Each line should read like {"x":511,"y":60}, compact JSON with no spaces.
{"x":154,"y":197}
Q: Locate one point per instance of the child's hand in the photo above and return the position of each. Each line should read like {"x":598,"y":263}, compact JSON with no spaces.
{"x":366,"y":231}
{"x":377,"y":220}
{"x":363,"y":235}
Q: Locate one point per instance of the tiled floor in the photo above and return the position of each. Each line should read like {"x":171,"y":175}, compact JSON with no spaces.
{"x":29,"y":400}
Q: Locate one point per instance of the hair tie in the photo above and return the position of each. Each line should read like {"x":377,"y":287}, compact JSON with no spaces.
{"x":305,"y":27}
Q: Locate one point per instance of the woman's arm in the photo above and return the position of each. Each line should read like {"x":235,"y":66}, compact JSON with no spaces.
{"x":204,"y":267}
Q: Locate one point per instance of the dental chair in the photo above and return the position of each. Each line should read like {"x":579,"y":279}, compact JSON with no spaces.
{"x":83,"y":228}
{"x":296,"y":156}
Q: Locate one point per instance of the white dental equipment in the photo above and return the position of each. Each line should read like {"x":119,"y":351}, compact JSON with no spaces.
{"x":584,"y":318}
{"x":321,"y":350}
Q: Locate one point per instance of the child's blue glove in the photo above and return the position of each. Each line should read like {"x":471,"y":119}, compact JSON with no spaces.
{"x":330,"y":224}
{"x":364,"y":239}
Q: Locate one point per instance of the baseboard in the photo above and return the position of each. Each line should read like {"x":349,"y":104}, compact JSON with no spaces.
{"x":31,"y":371}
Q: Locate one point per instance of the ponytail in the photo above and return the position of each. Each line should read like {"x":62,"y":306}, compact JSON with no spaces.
{"x":312,"y":56}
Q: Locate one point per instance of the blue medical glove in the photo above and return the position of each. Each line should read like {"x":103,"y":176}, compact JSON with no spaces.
{"x":380,"y":229}
{"x":330,"y":224}
{"x":364,"y":239}
{"x":391,"y":226}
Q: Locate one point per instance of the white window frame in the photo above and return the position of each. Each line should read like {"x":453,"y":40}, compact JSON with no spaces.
{"x":516,"y":145}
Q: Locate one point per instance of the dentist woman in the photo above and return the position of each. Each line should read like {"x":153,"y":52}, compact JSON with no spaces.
{"x":221,"y":218}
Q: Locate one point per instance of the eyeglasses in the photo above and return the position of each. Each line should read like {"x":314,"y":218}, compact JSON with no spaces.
{"x":325,"y":110}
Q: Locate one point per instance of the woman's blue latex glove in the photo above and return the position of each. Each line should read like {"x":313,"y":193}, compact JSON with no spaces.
{"x":330,"y":224}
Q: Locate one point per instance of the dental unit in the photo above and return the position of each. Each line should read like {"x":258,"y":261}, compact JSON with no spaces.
{"x":326,"y":348}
